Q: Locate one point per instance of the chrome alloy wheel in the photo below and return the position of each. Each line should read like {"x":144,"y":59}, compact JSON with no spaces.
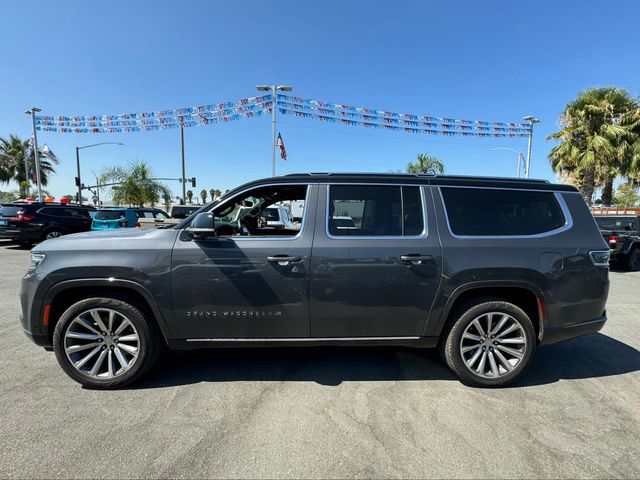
{"x":54,"y":234}
{"x":101,"y":343}
{"x":493,"y":345}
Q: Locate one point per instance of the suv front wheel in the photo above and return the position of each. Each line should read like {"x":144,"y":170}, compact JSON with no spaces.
{"x":490,"y":343}
{"x":105,"y":342}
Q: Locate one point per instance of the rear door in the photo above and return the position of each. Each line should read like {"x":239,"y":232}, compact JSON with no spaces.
{"x":376,"y":275}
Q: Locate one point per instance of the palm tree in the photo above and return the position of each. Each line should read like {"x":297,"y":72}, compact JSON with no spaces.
{"x":203,"y":195}
{"x":190,"y":196}
{"x":426,"y":164}
{"x":596,"y":140}
{"x":212,"y":192}
{"x":136,"y":186}
{"x":218,"y":193}
{"x":12,"y":152}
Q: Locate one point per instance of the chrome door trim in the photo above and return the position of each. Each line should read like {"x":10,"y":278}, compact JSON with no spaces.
{"x":299,"y":339}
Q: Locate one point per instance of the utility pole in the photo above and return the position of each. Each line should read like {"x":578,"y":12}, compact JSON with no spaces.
{"x":78,"y":178}
{"x":33,"y":112}
{"x":184,"y":174}
{"x":274,"y":89}
{"x":532,"y":120}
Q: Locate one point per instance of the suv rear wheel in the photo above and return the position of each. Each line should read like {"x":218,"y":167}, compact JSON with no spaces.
{"x":53,"y":233}
{"x":105,"y":342}
{"x":633,"y":259}
{"x":490,"y":343}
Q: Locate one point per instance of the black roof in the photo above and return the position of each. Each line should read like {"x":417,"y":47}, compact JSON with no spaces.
{"x":444,"y":180}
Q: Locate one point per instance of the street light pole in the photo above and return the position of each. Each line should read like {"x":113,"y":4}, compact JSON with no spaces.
{"x":78,"y":164}
{"x":532,"y":120}
{"x":518,"y":153}
{"x":33,"y":112}
{"x":274,"y":108}
{"x":184,"y":174}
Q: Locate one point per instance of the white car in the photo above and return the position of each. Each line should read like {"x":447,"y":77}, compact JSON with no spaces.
{"x":279,"y":217}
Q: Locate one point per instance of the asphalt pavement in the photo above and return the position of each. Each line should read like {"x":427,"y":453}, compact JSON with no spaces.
{"x":325,"y":412}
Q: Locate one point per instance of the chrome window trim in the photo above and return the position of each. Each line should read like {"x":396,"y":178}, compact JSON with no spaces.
{"x":422,"y":235}
{"x":269,"y":237}
{"x":568,"y":220}
{"x":298,"y":339}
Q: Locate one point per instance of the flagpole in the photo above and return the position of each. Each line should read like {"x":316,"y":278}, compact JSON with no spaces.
{"x":26,"y":174}
{"x":33,"y":112}
{"x":274,"y":92}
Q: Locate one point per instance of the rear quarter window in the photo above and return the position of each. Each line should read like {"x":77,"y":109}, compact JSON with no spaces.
{"x":492,"y":212}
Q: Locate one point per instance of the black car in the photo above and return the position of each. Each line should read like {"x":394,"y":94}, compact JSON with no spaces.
{"x":29,"y":223}
{"x":484,"y":269}
{"x":622,"y":233}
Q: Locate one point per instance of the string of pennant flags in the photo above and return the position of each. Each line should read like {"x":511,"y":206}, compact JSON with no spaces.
{"x":251,"y":107}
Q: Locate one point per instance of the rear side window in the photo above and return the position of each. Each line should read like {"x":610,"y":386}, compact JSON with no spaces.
{"x":375,"y":211}
{"x":55,"y":211}
{"x":487,"y":212}
{"x":109,"y":214}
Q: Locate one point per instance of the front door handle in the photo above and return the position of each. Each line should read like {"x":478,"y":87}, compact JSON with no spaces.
{"x":284,"y":260}
{"x":415,"y":259}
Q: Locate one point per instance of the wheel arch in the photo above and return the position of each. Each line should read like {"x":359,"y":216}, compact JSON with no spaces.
{"x":522,"y":294}
{"x":64,"y":294}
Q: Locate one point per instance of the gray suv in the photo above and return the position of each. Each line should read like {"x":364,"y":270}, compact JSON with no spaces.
{"x":484,"y":269}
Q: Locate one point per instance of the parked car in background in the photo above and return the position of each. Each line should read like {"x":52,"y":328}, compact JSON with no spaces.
{"x":153,"y":217}
{"x":484,"y":269}
{"x":622,"y":234}
{"x":279,"y":217}
{"x":183,"y":211}
{"x":111,"y":218}
{"x":31,"y":222}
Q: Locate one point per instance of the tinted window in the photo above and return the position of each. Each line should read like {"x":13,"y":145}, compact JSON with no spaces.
{"x":375,"y":210}
{"x":475,"y":211}
{"x":9,"y":211}
{"x":56,"y":212}
{"x":616,"y":223}
{"x":109,"y":214}
{"x":78,"y":213}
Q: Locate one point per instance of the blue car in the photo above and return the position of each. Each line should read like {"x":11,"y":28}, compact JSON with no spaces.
{"x":110,"y":218}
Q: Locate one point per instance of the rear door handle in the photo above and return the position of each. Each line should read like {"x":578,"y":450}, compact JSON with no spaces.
{"x":415,"y":259}
{"x":284,"y":260}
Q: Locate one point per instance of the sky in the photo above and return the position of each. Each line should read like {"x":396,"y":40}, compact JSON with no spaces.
{"x":484,"y":60}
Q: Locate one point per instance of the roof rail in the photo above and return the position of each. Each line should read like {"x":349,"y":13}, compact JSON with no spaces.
{"x":418,"y":175}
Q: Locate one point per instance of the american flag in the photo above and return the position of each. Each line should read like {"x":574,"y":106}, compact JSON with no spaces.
{"x":283,"y":151}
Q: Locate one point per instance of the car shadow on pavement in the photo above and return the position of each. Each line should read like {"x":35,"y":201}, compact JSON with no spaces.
{"x":591,"y":356}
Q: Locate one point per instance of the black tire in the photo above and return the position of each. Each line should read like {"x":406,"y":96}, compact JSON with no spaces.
{"x":633,"y":260}
{"x":53,"y":232}
{"x":451,"y":345}
{"x":149,"y":341}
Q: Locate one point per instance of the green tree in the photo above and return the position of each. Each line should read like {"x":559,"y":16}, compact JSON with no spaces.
{"x":12,"y":152}
{"x":212,"y":192}
{"x":190,"y":196}
{"x":426,"y":164}
{"x":203,"y":195}
{"x":597,"y":141}
{"x":136,"y":186}
{"x":626,"y":196}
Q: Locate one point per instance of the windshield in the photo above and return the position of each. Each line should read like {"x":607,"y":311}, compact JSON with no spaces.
{"x":109,"y":214}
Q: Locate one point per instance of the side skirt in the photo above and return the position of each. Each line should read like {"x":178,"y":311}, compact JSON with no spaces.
{"x":199,"y":343}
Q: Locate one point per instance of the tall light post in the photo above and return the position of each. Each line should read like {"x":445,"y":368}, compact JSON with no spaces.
{"x":274,"y":89}
{"x":78,"y":178}
{"x":33,"y":112}
{"x":517,"y":152}
{"x":532,"y":121}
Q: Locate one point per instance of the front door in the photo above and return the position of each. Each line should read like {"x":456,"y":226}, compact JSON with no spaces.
{"x":377,"y":261}
{"x":251,"y":280}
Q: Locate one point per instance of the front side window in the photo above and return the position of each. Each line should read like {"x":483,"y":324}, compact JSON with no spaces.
{"x":492,"y":212}
{"x":375,"y":211}
{"x":256,"y":212}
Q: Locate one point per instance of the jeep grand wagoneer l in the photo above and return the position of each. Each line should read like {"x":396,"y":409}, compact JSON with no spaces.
{"x":485,"y":269}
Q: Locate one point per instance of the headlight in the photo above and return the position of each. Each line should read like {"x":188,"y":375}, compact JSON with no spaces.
{"x":36,"y":259}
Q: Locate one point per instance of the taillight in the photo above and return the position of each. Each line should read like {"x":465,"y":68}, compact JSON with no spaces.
{"x":22,"y":217}
{"x":137,"y":225}
{"x":123,"y":224}
{"x":612,"y":239}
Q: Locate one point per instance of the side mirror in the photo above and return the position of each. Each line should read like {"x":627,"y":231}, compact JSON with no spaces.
{"x":202,"y":226}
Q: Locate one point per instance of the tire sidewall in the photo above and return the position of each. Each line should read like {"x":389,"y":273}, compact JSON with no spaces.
{"x":47,"y":232}
{"x":633,"y":260}
{"x":148,"y":341}
{"x":453,"y":355}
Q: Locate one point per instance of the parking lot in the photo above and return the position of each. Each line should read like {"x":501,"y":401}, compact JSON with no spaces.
{"x":325,"y":412}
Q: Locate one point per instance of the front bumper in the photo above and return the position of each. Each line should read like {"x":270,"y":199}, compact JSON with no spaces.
{"x":567,"y":332}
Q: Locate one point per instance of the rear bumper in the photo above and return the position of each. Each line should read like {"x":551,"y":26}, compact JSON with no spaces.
{"x":567,"y":332}
{"x":20,"y":234}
